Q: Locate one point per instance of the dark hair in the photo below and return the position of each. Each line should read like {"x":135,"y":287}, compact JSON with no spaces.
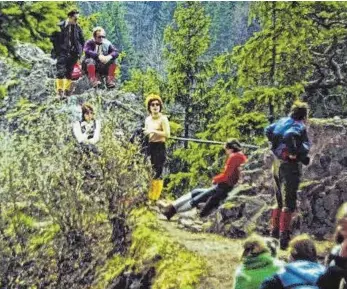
{"x":299,"y":110}
{"x":86,"y":108}
{"x":254,"y":246}
{"x":72,"y":13}
{"x":233,"y":144}
{"x":303,"y":248}
{"x":341,"y":217}
{"x":160,"y":104}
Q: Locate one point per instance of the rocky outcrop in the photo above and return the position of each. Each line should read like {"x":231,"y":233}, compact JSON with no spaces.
{"x":322,"y":191}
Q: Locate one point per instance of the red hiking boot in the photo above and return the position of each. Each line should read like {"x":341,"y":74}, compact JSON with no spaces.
{"x":92,"y":75}
{"x":110,"y":76}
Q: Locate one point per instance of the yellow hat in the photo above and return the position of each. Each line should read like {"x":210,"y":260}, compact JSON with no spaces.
{"x":152,"y":97}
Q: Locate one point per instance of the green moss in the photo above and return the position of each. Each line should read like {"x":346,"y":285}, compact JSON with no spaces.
{"x":177,"y":268}
{"x":228,"y":205}
{"x":46,"y":235}
{"x":307,"y":183}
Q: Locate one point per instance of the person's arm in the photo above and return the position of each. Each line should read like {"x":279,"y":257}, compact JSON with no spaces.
{"x":269,"y":131}
{"x":232,"y":164}
{"x":76,"y":127}
{"x":96,"y":136}
{"x":113,"y":51}
{"x":331,"y":277}
{"x":89,"y":51}
{"x":80,"y":36}
{"x":272,"y":283}
{"x":240,"y":279}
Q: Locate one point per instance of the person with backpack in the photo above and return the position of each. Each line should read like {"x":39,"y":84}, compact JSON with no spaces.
{"x":87,"y":130}
{"x":258,"y":263}
{"x":157,"y":129}
{"x":67,"y":49}
{"x":303,"y":269}
{"x":336,"y":274}
{"x":290,"y":145}
{"x":222,"y":184}
{"x":100,"y":58}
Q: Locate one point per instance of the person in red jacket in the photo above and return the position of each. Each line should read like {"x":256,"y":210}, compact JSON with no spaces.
{"x":222,"y":184}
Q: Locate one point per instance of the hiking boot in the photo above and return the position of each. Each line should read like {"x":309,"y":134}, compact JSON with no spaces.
{"x":284,"y":240}
{"x":94,"y":82}
{"x":110,"y":82}
{"x":169,"y":212}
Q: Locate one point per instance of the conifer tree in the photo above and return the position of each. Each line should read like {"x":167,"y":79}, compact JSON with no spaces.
{"x":29,"y":22}
{"x":187,"y":40}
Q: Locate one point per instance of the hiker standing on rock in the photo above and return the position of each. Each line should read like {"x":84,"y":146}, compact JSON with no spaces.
{"x":290,"y":145}
{"x":222,"y":184}
{"x":258,"y":263}
{"x":67,"y":49}
{"x":336,"y":274}
{"x":302,"y":271}
{"x":100,"y":58}
{"x":157,"y":128}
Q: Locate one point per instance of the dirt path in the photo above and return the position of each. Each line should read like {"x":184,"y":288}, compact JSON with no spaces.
{"x":222,"y":254}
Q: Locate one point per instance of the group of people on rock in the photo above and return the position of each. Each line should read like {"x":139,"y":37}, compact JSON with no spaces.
{"x":68,"y":47}
{"x":260,"y":268}
{"x":289,"y":144}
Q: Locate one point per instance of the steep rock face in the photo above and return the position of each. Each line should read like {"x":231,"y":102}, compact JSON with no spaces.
{"x":322,"y":191}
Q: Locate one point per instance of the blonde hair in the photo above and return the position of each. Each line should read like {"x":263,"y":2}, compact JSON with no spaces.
{"x":254,"y":245}
{"x":97,"y":29}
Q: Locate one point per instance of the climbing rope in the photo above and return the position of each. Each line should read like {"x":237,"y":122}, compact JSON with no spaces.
{"x":127,"y":107}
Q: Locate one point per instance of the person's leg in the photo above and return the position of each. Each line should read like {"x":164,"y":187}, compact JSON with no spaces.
{"x":61,"y":71}
{"x":276,"y":212}
{"x":220,"y":193}
{"x":70,"y":63}
{"x":91,"y":70}
{"x":291,"y":172}
{"x":111,"y":70}
{"x":159,"y":157}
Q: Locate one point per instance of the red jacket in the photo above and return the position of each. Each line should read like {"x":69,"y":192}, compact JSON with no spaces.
{"x":231,"y":172}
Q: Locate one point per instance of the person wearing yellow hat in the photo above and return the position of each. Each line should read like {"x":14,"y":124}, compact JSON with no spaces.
{"x":157,"y":129}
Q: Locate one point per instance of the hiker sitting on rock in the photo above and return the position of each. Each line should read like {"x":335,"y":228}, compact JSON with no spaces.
{"x":302,"y":271}
{"x":336,"y":274}
{"x":87,"y":130}
{"x":258,"y":262}
{"x":290,"y":146}
{"x":222,"y":184}
{"x":67,"y":48}
{"x":100,"y":58}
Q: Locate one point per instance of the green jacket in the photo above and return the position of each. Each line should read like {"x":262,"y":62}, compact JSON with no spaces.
{"x":255,"y":270}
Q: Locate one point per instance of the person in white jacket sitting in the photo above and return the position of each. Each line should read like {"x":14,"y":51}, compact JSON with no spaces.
{"x":87,"y":130}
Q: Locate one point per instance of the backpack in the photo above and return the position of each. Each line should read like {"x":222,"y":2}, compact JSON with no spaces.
{"x":76,"y":72}
{"x":277,"y":136}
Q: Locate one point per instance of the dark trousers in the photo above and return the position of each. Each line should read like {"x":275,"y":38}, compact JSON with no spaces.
{"x":65,"y":64}
{"x":287,"y":177}
{"x":157,"y":154}
{"x":212,"y":197}
{"x":100,"y":68}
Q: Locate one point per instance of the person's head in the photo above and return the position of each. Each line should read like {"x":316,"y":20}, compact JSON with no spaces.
{"x":254,"y":246}
{"x":232,"y":146}
{"x":299,"y":111}
{"x":341,"y":224}
{"x":87,"y":112}
{"x":302,"y":247}
{"x":73,"y":15}
{"x":154,"y":104}
{"x":99,"y":34}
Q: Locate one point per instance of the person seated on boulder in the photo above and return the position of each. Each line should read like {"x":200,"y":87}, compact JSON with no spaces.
{"x":87,"y":130}
{"x":302,"y":271}
{"x":222,"y":184}
{"x":100,"y":57}
{"x":290,"y":145}
{"x":67,"y":49}
{"x":336,"y":274}
{"x":258,"y":262}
